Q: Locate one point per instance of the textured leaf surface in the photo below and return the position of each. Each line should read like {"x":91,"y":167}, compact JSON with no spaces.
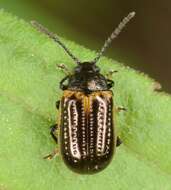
{"x":29,"y":87}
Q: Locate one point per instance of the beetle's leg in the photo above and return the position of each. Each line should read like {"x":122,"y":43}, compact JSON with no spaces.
{"x":118,"y":109}
{"x":110,"y":83}
{"x":110,"y":73}
{"x":64,"y":68}
{"x":62,"y":85}
{"x":52,"y":155}
{"x":57,"y":104}
{"x":54,"y":134}
{"x":118,"y":141}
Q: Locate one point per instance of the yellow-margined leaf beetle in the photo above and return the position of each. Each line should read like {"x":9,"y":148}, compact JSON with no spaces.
{"x":87,"y":136}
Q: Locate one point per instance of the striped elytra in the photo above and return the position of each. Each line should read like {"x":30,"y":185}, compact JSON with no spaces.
{"x":87,"y":130}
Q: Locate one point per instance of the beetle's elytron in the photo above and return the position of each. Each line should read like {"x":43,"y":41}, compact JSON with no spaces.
{"x":87,"y":136}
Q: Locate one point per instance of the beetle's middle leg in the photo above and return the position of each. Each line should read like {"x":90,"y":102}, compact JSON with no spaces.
{"x":57,"y":104}
{"x":118,"y":141}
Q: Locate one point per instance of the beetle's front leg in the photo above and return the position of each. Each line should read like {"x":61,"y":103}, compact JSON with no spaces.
{"x":62,"y":85}
{"x":54,"y":133}
{"x":64,"y":68}
{"x":110,"y":83}
{"x":110,"y":73}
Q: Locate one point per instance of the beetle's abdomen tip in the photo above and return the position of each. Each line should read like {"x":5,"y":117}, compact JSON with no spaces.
{"x":87,"y":165}
{"x":86,"y":169}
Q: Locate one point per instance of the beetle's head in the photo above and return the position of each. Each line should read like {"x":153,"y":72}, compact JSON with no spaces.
{"x":87,"y":67}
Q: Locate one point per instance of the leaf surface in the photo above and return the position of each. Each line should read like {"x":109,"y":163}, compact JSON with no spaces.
{"x":29,"y":87}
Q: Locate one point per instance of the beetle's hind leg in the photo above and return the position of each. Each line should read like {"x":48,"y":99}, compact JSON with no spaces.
{"x":52,"y":155}
{"x":119,"y":109}
{"x":54,"y":131}
{"x":54,"y":134}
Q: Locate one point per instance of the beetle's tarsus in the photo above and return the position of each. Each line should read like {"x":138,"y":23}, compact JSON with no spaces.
{"x":118,"y":109}
{"x":52,"y":155}
{"x":118,"y":141}
{"x":64,"y":68}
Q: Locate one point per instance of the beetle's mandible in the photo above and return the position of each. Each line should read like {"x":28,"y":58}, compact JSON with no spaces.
{"x":86,"y":131}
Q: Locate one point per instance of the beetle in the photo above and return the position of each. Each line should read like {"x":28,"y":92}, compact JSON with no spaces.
{"x":85,"y":131}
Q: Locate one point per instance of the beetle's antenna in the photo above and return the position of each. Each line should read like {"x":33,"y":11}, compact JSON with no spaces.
{"x":114,"y":35}
{"x":53,"y":36}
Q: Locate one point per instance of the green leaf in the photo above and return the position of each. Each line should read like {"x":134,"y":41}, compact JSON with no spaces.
{"x":29,"y":87}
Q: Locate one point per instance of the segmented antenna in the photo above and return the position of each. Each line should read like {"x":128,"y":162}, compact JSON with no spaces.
{"x":53,"y":36}
{"x":114,"y":35}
